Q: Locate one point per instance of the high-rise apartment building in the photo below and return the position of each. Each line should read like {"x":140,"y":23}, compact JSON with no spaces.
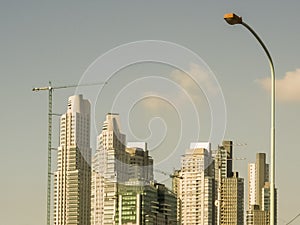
{"x":176,"y":177}
{"x":258,"y":190}
{"x":151,"y":204}
{"x":167,"y":211}
{"x":97,"y":190}
{"x":256,"y":216}
{"x":72,"y":180}
{"x":196,"y":186}
{"x":265,"y":195}
{"x":232,"y":200}
{"x":229,"y":187}
{"x":258,"y":175}
{"x":223,"y":160}
{"x":140,"y":162}
{"x":115,"y":169}
{"x":137,"y":204}
{"x":252,"y":197}
{"x":110,"y":168}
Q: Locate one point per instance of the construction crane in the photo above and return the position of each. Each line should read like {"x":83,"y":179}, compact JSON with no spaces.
{"x":238,"y":145}
{"x":50,"y":89}
{"x":168,"y":174}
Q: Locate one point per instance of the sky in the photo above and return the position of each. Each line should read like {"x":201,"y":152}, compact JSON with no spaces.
{"x":67,"y":41}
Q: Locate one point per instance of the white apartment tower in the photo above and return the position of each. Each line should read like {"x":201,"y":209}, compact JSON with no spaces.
{"x":110,"y":168}
{"x":252,"y":185}
{"x":97,"y":191}
{"x":195,"y":188}
{"x":72,"y":180}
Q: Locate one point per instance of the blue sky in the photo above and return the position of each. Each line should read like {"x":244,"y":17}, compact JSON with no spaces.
{"x":58,"y":41}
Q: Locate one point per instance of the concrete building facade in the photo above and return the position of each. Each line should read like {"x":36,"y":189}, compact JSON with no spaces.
{"x":151,"y":204}
{"x":110,"y":168}
{"x":196,"y":186}
{"x":140,"y":162}
{"x":72,"y":180}
{"x":122,"y":174}
{"x":258,"y":191}
{"x":229,"y":194}
{"x":232,"y":200}
{"x":256,"y":216}
{"x":223,"y":159}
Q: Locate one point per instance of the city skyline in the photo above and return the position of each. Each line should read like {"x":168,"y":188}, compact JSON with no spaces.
{"x":207,"y":188}
{"x":58,"y":41}
{"x":99,"y":191}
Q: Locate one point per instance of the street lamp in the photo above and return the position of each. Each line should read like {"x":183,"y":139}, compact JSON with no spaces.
{"x":233,"y":19}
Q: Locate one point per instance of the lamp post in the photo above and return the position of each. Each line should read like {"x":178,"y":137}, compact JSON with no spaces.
{"x":233,"y":19}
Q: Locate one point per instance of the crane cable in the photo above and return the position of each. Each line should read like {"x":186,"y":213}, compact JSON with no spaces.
{"x":293,"y":219}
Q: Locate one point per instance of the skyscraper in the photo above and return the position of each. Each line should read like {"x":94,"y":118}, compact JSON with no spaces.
{"x":265,"y":196}
{"x":196,"y":188}
{"x":97,"y":190}
{"x":110,"y":168}
{"x":229,"y":187}
{"x":138,"y":205}
{"x":256,"y":216}
{"x":167,"y":211}
{"x":257,"y":176}
{"x":176,"y":189}
{"x":140,"y":162}
{"x":258,"y":190}
{"x":232,"y":200}
{"x":115,"y":169}
{"x":150,"y":204}
{"x":223,"y":159}
{"x":252,"y":186}
{"x":72,"y":180}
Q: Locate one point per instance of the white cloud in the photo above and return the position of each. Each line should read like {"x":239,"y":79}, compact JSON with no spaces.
{"x":287,"y":88}
{"x":153,"y":102}
{"x":193,"y":87}
{"x":196,"y":76}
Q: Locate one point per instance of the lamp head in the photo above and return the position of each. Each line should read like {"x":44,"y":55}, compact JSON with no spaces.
{"x":233,"y":19}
